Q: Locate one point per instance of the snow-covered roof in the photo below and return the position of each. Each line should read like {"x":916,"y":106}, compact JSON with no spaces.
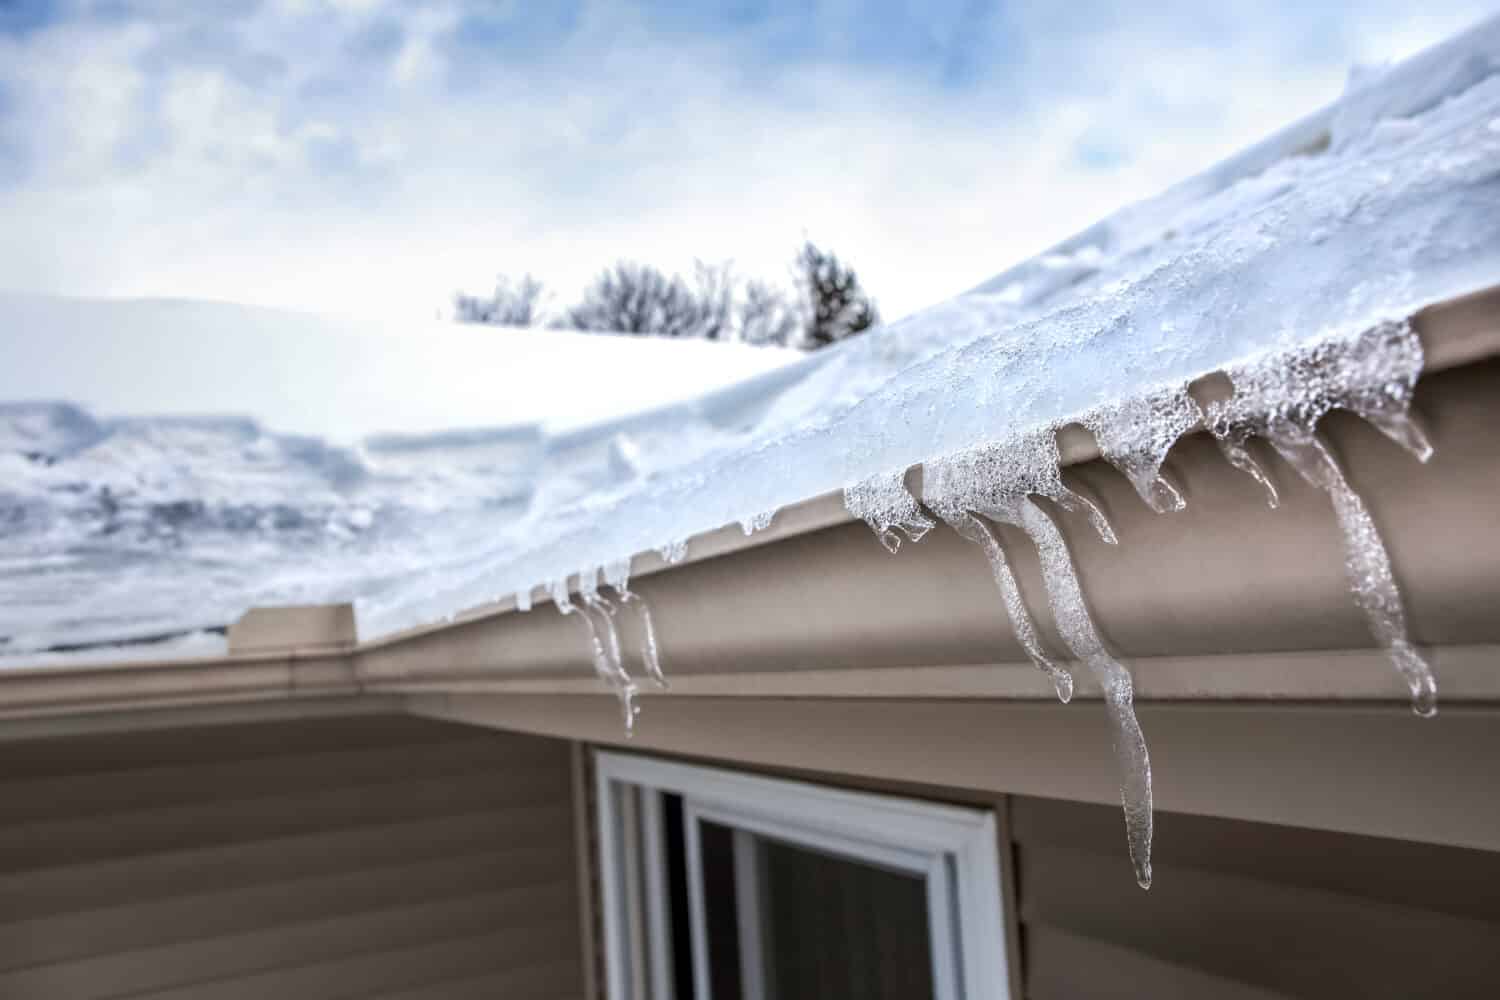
{"x":368,"y":456}
{"x":1367,"y":211}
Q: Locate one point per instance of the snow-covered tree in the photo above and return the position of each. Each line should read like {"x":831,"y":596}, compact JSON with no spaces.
{"x":767,"y":315}
{"x":640,"y":299}
{"x":513,"y":303}
{"x":826,"y":303}
{"x":839,"y":307}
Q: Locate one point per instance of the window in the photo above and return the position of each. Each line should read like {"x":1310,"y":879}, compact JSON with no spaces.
{"x":736,"y":887}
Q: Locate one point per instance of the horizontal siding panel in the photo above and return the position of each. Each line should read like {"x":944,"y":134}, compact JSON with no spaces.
{"x":114,"y":752}
{"x":318,"y":858}
{"x":50,"y":891}
{"x":1305,"y":942}
{"x":236,"y":911}
{"x":1064,"y":966}
{"x":155,"y":969}
{"x":555,"y":979}
{"x":37,"y":845}
{"x":1376,"y":868}
{"x":77,"y":796}
{"x":389,"y":969}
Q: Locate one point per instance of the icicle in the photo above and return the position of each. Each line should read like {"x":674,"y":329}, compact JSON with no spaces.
{"x":1082,"y":639}
{"x":559,"y":591}
{"x":1001,"y":474}
{"x":610,"y":672}
{"x":588,"y":591}
{"x":947,"y":487}
{"x":1135,"y":434}
{"x":523,"y":599}
{"x":976,"y":531}
{"x":884,"y":504}
{"x":1281,"y":397}
{"x":998,"y":482}
{"x":1234,"y":447}
{"x":757,"y":522}
{"x":1366,"y":565}
{"x":617,"y":577}
{"x":650,"y":649}
{"x":673,"y":552}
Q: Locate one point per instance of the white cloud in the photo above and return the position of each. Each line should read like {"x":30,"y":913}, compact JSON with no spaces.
{"x":227,"y":175}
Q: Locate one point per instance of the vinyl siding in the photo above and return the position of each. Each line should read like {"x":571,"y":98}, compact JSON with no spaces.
{"x":1248,"y":910}
{"x":358,"y":857}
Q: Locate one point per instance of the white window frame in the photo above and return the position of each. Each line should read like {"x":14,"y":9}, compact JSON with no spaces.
{"x":955,"y":850}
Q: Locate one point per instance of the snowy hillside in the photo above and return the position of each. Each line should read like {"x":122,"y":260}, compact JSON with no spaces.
{"x":130,"y":528}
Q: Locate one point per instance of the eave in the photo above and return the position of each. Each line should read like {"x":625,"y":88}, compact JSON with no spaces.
{"x":1225,"y":601}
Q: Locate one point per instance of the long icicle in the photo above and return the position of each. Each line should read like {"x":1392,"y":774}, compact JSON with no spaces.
{"x":998,"y":481}
{"x":650,"y":648}
{"x":1077,"y":630}
{"x":588,"y":591}
{"x":982,"y":535}
{"x":1281,"y":397}
{"x":886,"y":505}
{"x":617,"y":577}
{"x":1367,"y":565}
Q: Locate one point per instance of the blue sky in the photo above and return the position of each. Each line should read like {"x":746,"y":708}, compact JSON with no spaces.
{"x":373,"y":156}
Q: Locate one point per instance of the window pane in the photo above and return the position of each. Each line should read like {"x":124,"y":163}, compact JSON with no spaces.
{"x":829,"y":926}
{"x":833,"y":927}
{"x":721,"y":928}
{"x":677,"y":892}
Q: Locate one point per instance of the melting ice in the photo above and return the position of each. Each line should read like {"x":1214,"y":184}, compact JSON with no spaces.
{"x":1279,"y":396}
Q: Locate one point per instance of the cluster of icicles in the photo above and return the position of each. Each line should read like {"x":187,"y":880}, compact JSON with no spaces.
{"x":598,"y":611}
{"x":1279,"y":397}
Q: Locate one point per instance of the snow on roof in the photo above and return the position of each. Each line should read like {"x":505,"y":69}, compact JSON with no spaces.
{"x":350,"y":477}
{"x":1369,"y":210}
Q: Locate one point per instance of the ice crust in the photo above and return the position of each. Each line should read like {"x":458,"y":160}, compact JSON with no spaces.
{"x":1134,"y":435}
{"x":757,"y":522}
{"x":884,"y":504}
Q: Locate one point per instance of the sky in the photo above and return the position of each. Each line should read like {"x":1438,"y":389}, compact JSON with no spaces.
{"x":372,"y":157}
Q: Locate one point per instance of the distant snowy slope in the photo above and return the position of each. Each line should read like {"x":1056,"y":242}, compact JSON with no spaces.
{"x":363,"y":456}
{"x":342,"y":379}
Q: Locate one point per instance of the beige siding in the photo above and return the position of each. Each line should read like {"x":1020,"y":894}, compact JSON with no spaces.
{"x":1248,"y":910}
{"x":359,"y":857}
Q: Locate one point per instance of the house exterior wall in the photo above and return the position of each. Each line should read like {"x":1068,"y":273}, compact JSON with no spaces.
{"x":371,"y":856}
{"x":1243,"y":910}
